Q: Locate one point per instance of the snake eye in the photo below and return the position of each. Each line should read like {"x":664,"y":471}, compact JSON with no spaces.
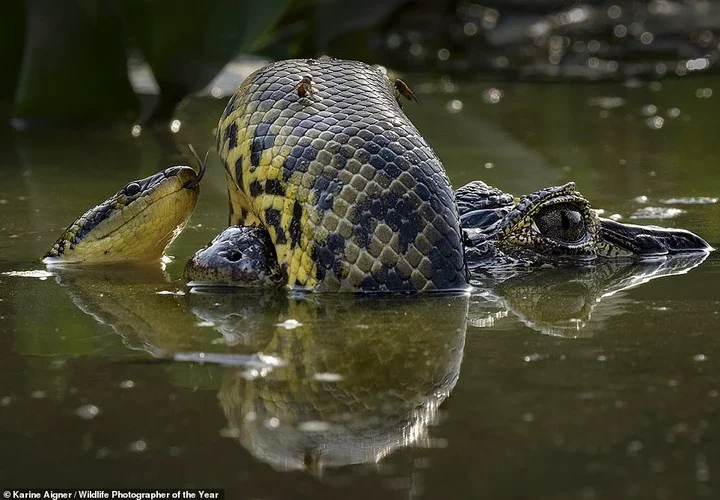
{"x":561,"y":222}
{"x":132,"y":189}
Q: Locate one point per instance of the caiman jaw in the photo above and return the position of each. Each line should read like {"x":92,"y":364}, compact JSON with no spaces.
{"x":616,"y":239}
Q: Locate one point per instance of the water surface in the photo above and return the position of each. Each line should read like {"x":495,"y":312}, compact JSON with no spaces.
{"x":562,"y":384}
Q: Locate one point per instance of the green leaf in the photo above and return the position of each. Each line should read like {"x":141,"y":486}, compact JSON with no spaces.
{"x":75,"y":64}
{"x":12,"y":38}
{"x":188,"y":42}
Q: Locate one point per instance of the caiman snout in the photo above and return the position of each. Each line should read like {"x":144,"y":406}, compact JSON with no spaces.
{"x":651,"y":241}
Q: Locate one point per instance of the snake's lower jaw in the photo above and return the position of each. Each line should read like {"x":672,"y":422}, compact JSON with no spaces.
{"x":136,"y":232}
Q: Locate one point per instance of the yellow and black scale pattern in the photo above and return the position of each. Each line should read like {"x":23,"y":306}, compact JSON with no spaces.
{"x":351,"y":194}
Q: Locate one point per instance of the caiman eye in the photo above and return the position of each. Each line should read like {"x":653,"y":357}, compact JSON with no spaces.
{"x":234,"y":255}
{"x":132,"y":189}
{"x":561,"y":222}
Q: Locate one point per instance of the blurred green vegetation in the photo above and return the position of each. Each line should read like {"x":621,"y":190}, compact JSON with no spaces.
{"x":187,"y":43}
{"x":74,"y":65}
{"x":66,"y":60}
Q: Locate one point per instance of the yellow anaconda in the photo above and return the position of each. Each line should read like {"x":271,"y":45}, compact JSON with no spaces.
{"x":320,"y":153}
{"x":134,"y":225}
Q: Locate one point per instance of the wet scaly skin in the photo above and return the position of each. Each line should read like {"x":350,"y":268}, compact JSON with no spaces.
{"x":352,"y":196}
{"x":135,"y":225}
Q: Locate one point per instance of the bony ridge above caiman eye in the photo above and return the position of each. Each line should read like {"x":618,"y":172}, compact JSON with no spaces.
{"x":562,"y":222}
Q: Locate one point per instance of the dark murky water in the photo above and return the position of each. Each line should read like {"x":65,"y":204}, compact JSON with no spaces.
{"x":563,"y":384}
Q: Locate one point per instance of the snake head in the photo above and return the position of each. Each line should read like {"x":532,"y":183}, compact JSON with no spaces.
{"x":136,"y":224}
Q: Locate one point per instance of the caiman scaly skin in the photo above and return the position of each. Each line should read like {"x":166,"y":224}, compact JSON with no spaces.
{"x":555,"y":225}
{"x":320,"y":153}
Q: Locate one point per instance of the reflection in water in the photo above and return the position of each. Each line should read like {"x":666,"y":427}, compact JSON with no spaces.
{"x":133,"y":302}
{"x":365,"y":376}
{"x":316,"y":381}
{"x":562,"y":301}
{"x":330,"y":381}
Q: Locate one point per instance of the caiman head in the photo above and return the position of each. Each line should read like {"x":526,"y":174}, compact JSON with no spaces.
{"x":553,"y":226}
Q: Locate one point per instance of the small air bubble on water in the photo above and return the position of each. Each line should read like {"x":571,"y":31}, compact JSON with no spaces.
{"x":230,"y":432}
{"x":272,"y":423}
{"x":87,"y":412}
{"x":327,"y":377}
{"x":699,"y":357}
{"x":649,"y":110}
{"x":702,"y":470}
{"x":470,"y":29}
{"x":250,"y":374}
{"x":250,"y":416}
{"x":416,"y":50}
{"x":138,"y":446}
{"x":37,"y":394}
{"x":656,"y":122}
{"x":454,"y":106}
{"x":289,"y":324}
{"x":492,"y":95}
{"x":314,"y":426}
{"x":634,"y":447}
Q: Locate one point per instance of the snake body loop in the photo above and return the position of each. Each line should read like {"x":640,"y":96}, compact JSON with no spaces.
{"x":352,"y":196}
